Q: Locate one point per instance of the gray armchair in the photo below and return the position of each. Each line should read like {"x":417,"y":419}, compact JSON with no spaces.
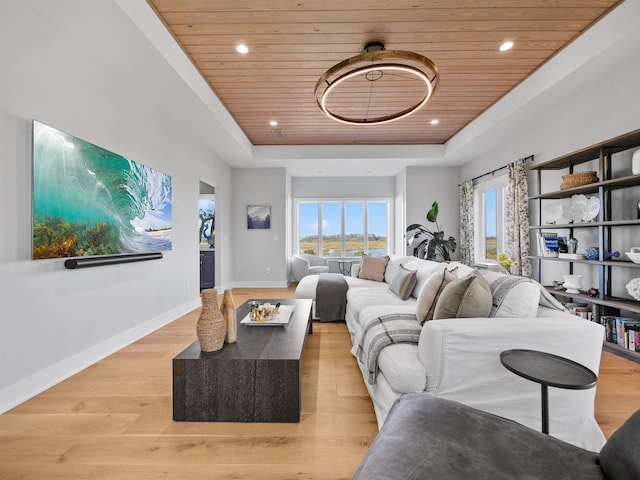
{"x":305,"y":264}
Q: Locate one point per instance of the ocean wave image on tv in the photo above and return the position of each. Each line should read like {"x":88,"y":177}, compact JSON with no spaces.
{"x":89,"y":201}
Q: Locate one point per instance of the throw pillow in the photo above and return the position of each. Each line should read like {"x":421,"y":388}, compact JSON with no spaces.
{"x":466,"y":297}
{"x":429,"y":294}
{"x":373,"y":268}
{"x":403,"y":282}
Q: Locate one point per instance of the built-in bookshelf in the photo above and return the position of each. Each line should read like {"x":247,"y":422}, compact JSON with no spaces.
{"x":611,"y":177}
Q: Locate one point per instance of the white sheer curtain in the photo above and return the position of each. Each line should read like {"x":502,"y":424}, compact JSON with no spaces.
{"x":466,"y":223}
{"x":516,"y":232}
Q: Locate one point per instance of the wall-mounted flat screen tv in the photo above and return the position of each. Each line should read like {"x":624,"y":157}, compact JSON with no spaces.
{"x":89,"y":201}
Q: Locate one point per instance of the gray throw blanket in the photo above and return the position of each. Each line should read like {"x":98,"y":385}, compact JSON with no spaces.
{"x":503,"y":285}
{"x":331,"y":297}
{"x":382,"y":331}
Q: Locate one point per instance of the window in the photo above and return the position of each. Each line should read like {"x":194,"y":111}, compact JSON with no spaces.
{"x":343,"y":228}
{"x":489,"y":199}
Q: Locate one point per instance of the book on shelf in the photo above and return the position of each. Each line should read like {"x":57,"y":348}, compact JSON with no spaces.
{"x":581,"y":310}
{"x":623,"y":325}
{"x":624,"y":332}
{"x":548,"y":244}
{"x":634,"y":333}
{"x":610,"y":332}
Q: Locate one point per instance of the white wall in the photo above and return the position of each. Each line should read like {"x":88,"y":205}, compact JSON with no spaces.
{"x":260,"y":256}
{"x":424,"y":185}
{"x":100,"y":81}
{"x":343,"y":187}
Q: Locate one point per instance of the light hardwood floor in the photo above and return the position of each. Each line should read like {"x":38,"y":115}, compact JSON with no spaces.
{"x":114,"y":419}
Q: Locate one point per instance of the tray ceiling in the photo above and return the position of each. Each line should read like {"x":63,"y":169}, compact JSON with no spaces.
{"x":292,"y":43}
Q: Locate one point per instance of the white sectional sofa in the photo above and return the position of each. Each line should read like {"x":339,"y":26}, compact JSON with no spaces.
{"x":459,"y":358}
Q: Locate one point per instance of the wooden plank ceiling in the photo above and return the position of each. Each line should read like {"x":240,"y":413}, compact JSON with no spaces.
{"x":293,"y":42}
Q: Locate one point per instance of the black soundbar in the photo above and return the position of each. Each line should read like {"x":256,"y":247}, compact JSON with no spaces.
{"x":101,"y":261}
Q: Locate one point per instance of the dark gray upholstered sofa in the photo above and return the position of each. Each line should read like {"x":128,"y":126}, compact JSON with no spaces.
{"x":426,"y":437}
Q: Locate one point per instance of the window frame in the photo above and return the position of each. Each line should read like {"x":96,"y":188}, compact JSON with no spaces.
{"x":343,"y":202}
{"x":480,"y":190}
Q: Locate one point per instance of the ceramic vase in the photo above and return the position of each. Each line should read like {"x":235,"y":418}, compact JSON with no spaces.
{"x":228,"y":309}
{"x":573,"y":283}
{"x":211,"y":327}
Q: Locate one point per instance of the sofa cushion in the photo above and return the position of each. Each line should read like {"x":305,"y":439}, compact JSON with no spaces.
{"x":394,"y":264}
{"x":403,"y":282}
{"x":425,"y":269}
{"x":379,"y":299}
{"x":402,"y":369}
{"x":373,"y":268}
{"x":426,"y":437}
{"x":429,"y":294}
{"x":518,"y":298}
{"x":465,"y":297}
{"x":619,"y":457}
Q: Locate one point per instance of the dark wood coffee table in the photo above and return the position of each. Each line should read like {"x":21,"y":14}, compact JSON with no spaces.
{"x":256,"y":379}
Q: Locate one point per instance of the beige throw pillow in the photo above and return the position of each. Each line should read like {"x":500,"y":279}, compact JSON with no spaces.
{"x":431,"y":291}
{"x":466,"y":297}
{"x":373,"y":268}
{"x":403,"y":282}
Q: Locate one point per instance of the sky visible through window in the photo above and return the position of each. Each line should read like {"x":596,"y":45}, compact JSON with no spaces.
{"x":354,"y":224}
{"x":491,"y":213}
{"x":331,"y":224}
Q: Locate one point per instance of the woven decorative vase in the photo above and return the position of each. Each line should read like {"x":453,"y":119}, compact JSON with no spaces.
{"x":211,"y":327}
{"x":228,"y":308}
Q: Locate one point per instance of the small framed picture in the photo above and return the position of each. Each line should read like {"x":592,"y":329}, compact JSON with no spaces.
{"x":258,"y":217}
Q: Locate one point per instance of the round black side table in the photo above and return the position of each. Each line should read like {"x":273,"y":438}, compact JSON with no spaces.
{"x":549,"y":371}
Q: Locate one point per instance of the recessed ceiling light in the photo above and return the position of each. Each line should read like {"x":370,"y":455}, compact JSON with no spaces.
{"x":273,"y":123}
{"x":242,"y":49}
{"x":506,"y":46}
{"x":434,"y":121}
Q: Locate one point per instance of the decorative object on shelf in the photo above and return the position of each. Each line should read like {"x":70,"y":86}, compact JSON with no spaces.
{"x":552,"y":213}
{"x":593,"y":292}
{"x":408,"y":75}
{"x":573,"y":283}
{"x":593,"y":253}
{"x":633,"y":287}
{"x":572,"y":246}
{"x":548,"y":244}
{"x":505,"y":262}
{"x":635,"y":163}
{"x":578,"y":179}
{"x":584,"y":209}
{"x":593,"y":208}
{"x":228,"y":309}
{"x":211,"y":327}
{"x":435,"y":244}
{"x":557,"y":285}
{"x":634,"y":254}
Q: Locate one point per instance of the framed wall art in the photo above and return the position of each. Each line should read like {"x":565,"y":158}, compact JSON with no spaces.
{"x":258,"y":217}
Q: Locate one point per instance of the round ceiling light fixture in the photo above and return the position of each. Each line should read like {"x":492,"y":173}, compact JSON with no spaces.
{"x":377,"y":86}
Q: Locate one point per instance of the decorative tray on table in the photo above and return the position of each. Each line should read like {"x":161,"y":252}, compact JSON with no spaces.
{"x":267,"y":315}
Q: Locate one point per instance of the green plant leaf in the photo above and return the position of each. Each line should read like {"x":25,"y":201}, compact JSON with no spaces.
{"x":432,"y":215}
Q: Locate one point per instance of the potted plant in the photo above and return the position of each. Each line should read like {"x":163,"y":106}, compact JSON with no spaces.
{"x":435,"y":243}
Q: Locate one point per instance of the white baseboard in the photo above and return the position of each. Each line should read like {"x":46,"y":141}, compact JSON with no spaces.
{"x":274,"y":284}
{"x":22,"y":390}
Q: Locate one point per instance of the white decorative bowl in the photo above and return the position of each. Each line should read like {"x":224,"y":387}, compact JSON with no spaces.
{"x":633,"y":256}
